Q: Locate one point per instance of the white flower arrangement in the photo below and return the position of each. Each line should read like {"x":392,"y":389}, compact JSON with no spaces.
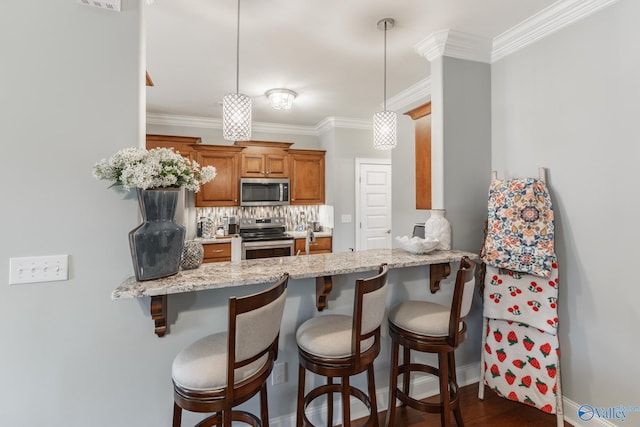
{"x":150,"y":169}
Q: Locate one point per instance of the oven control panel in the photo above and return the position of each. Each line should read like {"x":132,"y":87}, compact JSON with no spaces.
{"x":262,"y":222}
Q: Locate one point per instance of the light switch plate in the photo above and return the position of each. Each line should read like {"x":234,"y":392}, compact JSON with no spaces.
{"x":345,"y":219}
{"x":103,"y":4}
{"x":51,"y":268}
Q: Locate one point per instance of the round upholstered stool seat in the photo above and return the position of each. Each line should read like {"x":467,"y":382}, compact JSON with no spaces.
{"x":328,"y":336}
{"x":202,"y":365}
{"x":421,"y":317}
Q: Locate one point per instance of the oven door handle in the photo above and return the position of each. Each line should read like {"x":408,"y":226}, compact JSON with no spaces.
{"x":267,"y":244}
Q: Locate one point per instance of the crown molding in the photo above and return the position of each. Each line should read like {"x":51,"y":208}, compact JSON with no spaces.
{"x":178,"y":120}
{"x":286,"y":129}
{"x":456,"y":44}
{"x":211,"y":123}
{"x":551,"y":19}
{"x":419,"y":92}
{"x":330,"y":123}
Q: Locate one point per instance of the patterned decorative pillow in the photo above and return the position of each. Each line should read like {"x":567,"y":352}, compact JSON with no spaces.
{"x":520,"y":230}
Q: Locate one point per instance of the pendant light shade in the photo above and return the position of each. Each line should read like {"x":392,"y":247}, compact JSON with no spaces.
{"x":385,"y":134}
{"x":385,"y":130}
{"x":236,"y":107}
{"x":236,"y":117}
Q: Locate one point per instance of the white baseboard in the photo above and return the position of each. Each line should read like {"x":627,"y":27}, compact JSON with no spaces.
{"x":421,"y":388}
{"x":571,"y":416}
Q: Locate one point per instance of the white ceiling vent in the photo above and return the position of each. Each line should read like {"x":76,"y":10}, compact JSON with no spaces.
{"x":103,"y":4}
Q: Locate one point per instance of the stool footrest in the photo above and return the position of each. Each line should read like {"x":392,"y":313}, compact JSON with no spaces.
{"x":430,"y":407}
{"x":241,"y":416}
{"x":337,"y":388}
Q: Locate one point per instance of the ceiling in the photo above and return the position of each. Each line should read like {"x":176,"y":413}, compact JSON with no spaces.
{"x":329,"y":51}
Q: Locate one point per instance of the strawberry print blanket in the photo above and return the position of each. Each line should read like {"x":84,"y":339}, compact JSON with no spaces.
{"x":521,"y":363}
{"x":520,"y":229}
{"x":522,"y":297}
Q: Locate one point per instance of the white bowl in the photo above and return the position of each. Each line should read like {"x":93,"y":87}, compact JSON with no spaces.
{"x":417,"y":245}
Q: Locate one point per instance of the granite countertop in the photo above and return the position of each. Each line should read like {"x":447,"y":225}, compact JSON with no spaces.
{"x":294,"y":234}
{"x":208,"y":240}
{"x":303,"y":234}
{"x":249,"y":272}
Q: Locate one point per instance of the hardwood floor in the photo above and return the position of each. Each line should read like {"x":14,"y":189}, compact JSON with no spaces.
{"x":493,"y":411}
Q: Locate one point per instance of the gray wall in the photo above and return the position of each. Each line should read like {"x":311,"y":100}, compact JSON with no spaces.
{"x":70,"y":96}
{"x":347,"y":145}
{"x":467,"y":149}
{"x":570,"y":103}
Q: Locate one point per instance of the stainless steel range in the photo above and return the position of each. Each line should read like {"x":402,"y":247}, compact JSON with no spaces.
{"x":265,"y":238}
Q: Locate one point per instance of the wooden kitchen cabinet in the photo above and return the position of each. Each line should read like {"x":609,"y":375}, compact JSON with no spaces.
{"x":262,"y":159}
{"x":185,"y":145}
{"x":225,"y":187}
{"x":217,"y":252}
{"x":322,"y":245}
{"x":422,"y":118}
{"x":307,"y":177}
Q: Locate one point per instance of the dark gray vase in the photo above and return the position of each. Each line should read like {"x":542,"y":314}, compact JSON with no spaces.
{"x":156,"y":244}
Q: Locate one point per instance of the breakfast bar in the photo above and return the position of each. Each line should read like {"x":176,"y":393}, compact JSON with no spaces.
{"x":250,"y":272}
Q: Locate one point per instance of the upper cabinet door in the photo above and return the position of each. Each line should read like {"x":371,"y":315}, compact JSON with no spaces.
{"x":307,"y":177}
{"x":276,"y":165}
{"x":262,"y":159}
{"x":224,"y":189}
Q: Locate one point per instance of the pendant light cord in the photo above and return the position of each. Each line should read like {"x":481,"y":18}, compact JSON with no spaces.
{"x":238,"y":52}
{"x":385,"y":66}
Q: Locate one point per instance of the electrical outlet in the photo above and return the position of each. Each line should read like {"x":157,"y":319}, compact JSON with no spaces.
{"x":38,"y":269}
{"x":279,"y":373}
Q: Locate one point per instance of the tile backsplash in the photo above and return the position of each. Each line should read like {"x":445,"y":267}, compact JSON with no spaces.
{"x":295,"y":216}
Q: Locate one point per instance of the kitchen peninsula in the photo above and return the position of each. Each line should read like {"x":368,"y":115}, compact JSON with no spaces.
{"x":249,"y":272}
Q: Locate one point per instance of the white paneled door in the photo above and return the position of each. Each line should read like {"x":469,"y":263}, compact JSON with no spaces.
{"x":374,"y":204}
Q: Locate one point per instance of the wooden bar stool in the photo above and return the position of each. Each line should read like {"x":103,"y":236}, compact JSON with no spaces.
{"x":223,"y":370}
{"x":431,"y":328}
{"x":340,"y":346}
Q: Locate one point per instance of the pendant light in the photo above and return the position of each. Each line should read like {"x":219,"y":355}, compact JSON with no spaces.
{"x":236,"y":107}
{"x":385,"y":135}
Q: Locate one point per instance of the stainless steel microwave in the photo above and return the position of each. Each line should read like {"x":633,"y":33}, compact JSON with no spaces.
{"x":264,"y":191}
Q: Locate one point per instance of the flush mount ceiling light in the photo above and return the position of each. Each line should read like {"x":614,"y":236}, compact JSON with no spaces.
{"x":236,"y":107}
{"x":281,"y":99}
{"x":385,"y":135}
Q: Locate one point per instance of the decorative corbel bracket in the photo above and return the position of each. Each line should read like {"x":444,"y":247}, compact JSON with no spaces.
{"x":159,"y":314}
{"x":438,"y":272}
